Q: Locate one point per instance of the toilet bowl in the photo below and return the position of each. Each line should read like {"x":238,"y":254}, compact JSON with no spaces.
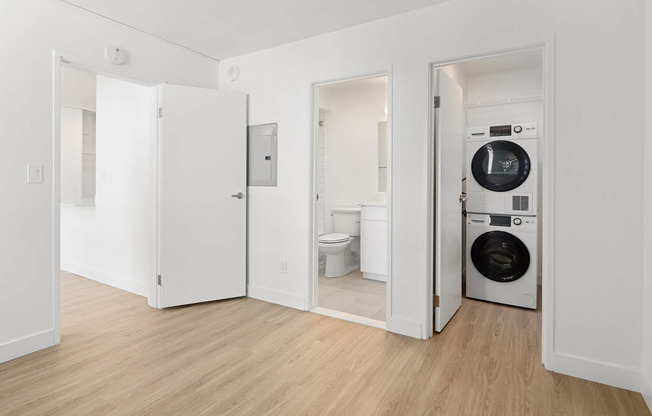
{"x":342,"y":246}
{"x":336,"y":248}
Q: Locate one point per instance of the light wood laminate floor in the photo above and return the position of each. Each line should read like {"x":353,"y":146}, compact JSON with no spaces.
{"x":353,"y":294}
{"x":247,"y":357}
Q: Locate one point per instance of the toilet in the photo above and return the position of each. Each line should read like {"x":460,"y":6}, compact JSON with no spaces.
{"x":337,"y":246}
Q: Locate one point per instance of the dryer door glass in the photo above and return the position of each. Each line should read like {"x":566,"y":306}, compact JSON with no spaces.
{"x":500,"y":166}
{"x":500,"y":256}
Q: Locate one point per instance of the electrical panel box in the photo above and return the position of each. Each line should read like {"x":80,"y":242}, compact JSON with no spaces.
{"x":261,"y":158}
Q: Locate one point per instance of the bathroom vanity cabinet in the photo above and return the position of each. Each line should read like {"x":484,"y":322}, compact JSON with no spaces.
{"x":373,"y":241}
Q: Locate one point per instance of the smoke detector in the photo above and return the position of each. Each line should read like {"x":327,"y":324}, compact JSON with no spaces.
{"x":115,"y":55}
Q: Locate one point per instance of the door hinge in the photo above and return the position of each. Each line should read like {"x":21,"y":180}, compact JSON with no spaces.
{"x":437,"y":101}
{"x":435,"y":301}
{"x":158,"y":280}
{"x":160,"y":112}
{"x":317,"y":197}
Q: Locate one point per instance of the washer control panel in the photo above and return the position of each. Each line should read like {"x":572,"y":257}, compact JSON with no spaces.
{"x":522,"y":223}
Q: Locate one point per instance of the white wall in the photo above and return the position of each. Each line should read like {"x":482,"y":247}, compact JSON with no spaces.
{"x":646,"y":376}
{"x":597,"y":315}
{"x":77,"y":88}
{"x":351,"y":140}
{"x":114,"y":241}
{"x":29,"y":32}
{"x":71,"y":155}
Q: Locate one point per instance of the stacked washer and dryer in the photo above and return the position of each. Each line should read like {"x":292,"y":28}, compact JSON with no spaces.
{"x":501,"y":222}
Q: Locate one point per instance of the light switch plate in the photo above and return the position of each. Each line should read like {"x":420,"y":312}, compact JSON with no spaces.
{"x":34,"y":173}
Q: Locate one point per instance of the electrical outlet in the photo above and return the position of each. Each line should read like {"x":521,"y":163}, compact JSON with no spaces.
{"x":284,"y":266}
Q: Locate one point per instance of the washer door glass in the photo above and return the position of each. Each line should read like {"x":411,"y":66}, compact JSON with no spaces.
{"x":500,"y":256}
{"x":500,"y":166}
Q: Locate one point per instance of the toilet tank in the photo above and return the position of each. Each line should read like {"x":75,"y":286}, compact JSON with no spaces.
{"x":346,"y":220}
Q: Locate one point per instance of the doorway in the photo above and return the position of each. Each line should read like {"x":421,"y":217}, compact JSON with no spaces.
{"x":147,"y":219}
{"x":108,"y":179}
{"x":350,"y":273}
{"x":509,"y":89}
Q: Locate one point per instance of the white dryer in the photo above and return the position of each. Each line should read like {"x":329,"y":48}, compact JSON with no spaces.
{"x":501,"y":169}
{"x":501,"y":259}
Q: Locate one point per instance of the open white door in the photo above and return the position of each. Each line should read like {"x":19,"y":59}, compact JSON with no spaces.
{"x":449,"y":145}
{"x":202,"y":153}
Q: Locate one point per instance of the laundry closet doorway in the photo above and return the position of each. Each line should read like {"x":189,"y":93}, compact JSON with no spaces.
{"x":510,"y":94}
{"x":351,"y":212}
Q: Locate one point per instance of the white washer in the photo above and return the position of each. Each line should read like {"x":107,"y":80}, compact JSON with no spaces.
{"x":502,"y":169}
{"x":501,"y":259}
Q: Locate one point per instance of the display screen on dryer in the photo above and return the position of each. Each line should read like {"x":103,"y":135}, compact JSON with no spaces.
{"x":500,"y":130}
{"x":500,"y":166}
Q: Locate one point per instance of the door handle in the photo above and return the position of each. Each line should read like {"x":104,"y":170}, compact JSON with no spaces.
{"x":239,"y":195}
{"x":462,"y":198}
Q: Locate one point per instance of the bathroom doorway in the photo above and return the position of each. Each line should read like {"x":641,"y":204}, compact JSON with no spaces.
{"x":351,"y":263}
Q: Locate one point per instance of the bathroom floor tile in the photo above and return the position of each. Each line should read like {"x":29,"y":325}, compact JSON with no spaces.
{"x":381,"y":315}
{"x":353,"y":294}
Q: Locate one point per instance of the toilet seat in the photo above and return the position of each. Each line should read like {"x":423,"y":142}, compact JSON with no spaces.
{"x":333,"y":238}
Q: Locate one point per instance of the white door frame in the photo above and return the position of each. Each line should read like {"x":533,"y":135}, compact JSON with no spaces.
{"x":65,"y":58}
{"x":313,"y":264}
{"x":547,"y":190}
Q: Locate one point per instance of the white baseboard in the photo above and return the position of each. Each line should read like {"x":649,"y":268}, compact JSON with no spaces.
{"x":646,"y":389}
{"x":600,"y":372}
{"x":120,"y":282}
{"x":276,"y":296}
{"x":27,"y":345}
{"x":405,"y":327}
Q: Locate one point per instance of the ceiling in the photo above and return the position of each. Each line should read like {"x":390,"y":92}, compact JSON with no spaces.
{"x":221,"y":29}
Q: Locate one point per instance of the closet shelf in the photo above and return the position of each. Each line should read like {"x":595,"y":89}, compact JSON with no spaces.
{"x":505,"y":101}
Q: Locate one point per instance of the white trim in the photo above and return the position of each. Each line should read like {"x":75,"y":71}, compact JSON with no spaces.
{"x":426,"y":308}
{"x":350,"y":317}
{"x":110,"y":279}
{"x":27,"y":345}
{"x":313,"y":272}
{"x":646,"y":389}
{"x":278,"y":297}
{"x":313,"y":263}
{"x":628,"y":378}
{"x":405,"y":327}
{"x":390,"y":192}
{"x":547,"y":217}
{"x":154,"y":298}
{"x":55,"y":174}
